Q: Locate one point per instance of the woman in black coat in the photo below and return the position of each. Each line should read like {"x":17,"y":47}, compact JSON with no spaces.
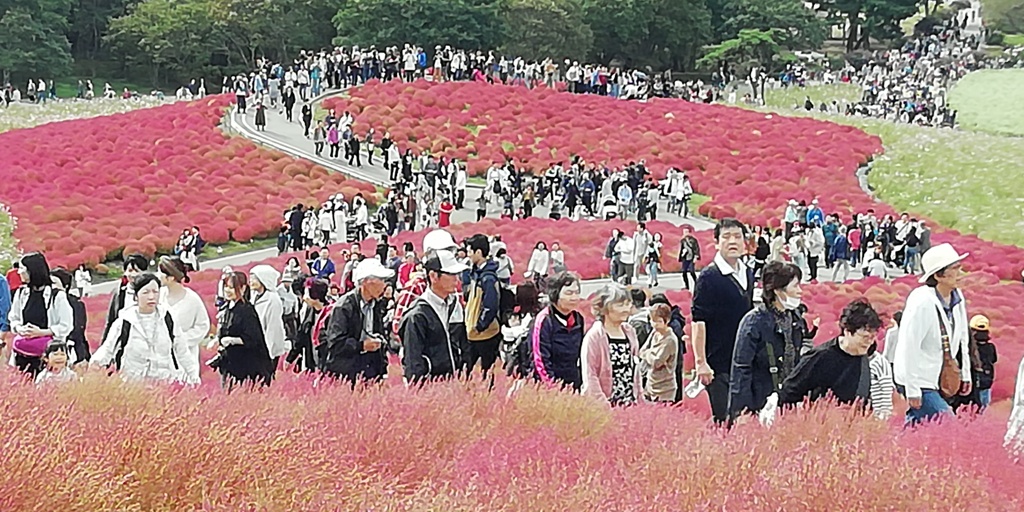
{"x":768,"y":341}
{"x":243,"y":357}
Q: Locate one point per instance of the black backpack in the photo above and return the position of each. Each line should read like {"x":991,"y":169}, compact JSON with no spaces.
{"x":122,"y":341}
{"x":506,"y":303}
{"x":519,"y":356}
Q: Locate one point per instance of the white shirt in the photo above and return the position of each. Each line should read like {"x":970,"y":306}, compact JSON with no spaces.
{"x":918,"y":354}
{"x":539,"y":262}
{"x":891,"y":339}
{"x":726,"y":269}
{"x":625,"y":248}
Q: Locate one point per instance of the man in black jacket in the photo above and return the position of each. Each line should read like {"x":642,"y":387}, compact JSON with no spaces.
{"x":353,"y":345}
{"x":134,"y":265}
{"x":432,"y":349}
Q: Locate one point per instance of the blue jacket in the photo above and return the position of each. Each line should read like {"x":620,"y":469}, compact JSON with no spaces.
{"x":830,"y":231}
{"x":815,"y":214}
{"x":556,"y":349}
{"x":5,"y":304}
{"x":750,"y":380}
{"x":840,"y":248}
{"x":487,"y":279}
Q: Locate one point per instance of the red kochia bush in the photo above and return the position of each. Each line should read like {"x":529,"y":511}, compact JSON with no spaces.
{"x":136,"y":179}
{"x":750,"y":163}
{"x":102,"y":445}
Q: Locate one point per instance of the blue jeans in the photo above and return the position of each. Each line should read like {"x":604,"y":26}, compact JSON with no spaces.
{"x":985,"y":397}
{"x":909,"y":254}
{"x":932,"y":406}
{"x":652,"y":272}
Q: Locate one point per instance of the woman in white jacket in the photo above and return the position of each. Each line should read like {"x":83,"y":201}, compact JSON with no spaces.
{"x":153,"y":348}
{"x":269,"y":308}
{"x":540,"y":261}
{"x":39,"y":309}
{"x":186,"y":307}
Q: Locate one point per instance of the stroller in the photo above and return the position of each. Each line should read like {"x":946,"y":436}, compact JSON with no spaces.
{"x":609,"y":208}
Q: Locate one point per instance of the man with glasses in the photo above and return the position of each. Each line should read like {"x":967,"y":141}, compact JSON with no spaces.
{"x":933,"y":329}
{"x":723,"y":294}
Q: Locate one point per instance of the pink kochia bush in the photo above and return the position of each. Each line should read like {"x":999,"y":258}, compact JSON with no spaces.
{"x":750,"y":163}
{"x":82,"y":189}
{"x":102,"y":445}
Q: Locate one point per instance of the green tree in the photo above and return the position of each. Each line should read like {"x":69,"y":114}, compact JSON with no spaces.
{"x":174,"y":37}
{"x":32,"y":39}
{"x":537,"y":29}
{"x":802,"y":26}
{"x":1005,"y":15}
{"x":866,"y":19}
{"x":89,"y":21}
{"x":761,"y":46}
{"x":660,"y":33}
{"x":461,"y":23}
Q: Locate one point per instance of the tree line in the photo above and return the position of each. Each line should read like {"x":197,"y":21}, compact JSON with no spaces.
{"x":171,"y":41}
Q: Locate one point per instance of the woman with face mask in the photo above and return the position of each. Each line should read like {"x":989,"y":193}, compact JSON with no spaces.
{"x":768,"y":341}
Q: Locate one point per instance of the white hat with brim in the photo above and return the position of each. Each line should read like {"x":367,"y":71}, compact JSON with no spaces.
{"x":371,"y":268}
{"x":938,"y":258}
{"x":444,"y":261}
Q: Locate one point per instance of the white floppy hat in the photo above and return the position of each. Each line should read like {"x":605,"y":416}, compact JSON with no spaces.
{"x":938,"y":258}
{"x":369,"y":268}
{"x":438,"y":239}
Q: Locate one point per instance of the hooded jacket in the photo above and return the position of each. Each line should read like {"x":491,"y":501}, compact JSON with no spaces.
{"x":270,"y":310}
{"x":430,"y":350}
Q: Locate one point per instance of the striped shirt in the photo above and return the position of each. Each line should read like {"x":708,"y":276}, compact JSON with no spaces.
{"x":881,"y":386}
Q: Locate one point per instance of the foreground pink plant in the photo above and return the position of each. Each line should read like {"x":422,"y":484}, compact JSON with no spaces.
{"x":102,"y":445}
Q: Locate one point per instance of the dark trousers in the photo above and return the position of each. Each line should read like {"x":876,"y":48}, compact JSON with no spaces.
{"x":484,"y":351}
{"x":30,"y":365}
{"x":319,"y":147}
{"x":460,"y":196}
{"x":689,"y":273}
{"x":812,"y":265}
{"x":241,"y":103}
{"x":334,"y":150}
{"x":305,"y":124}
{"x":354,"y":155}
{"x":718,"y":395}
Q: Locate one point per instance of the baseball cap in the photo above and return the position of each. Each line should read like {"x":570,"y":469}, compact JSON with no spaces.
{"x":369,"y":268}
{"x":444,"y":261}
{"x":979,"y":322}
{"x":438,"y":239}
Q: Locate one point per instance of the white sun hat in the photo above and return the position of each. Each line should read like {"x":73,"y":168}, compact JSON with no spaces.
{"x":938,"y":258}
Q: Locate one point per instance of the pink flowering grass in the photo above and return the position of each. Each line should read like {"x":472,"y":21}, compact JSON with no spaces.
{"x":103,"y":445}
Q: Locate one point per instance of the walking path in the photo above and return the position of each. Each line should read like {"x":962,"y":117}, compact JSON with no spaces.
{"x":288,"y":137}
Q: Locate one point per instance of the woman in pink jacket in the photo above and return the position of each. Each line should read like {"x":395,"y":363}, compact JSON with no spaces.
{"x":609,"y":354}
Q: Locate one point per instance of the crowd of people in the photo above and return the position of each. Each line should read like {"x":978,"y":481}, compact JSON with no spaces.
{"x":457,"y":309}
{"x":910,"y":84}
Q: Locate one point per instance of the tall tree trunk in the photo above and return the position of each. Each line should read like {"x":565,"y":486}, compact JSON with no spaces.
{"x":854,"y":30}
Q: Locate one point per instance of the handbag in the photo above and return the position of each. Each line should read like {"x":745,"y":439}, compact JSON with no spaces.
{"x":31,"y":347}
{"x":949,"y":377}
{"x":34,"y":346}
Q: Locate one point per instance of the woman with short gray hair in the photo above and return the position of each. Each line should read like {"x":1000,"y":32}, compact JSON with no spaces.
{"x":609,"y":352}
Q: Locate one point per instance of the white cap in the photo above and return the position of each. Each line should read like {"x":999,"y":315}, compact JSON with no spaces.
{"x":938,"y":258}
{"x":444,"y":261}
{"x":371,"y":268}
{"x":438,"y":239}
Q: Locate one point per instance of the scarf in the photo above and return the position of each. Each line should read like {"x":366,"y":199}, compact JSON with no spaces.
{"x":784,"y":322}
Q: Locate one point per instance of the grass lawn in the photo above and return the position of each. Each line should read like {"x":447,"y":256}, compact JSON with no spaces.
{"x":794,"y":96}
{"x":991,"y":100}
{"x":965,"y":180}
{"x":1013,"y":40}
